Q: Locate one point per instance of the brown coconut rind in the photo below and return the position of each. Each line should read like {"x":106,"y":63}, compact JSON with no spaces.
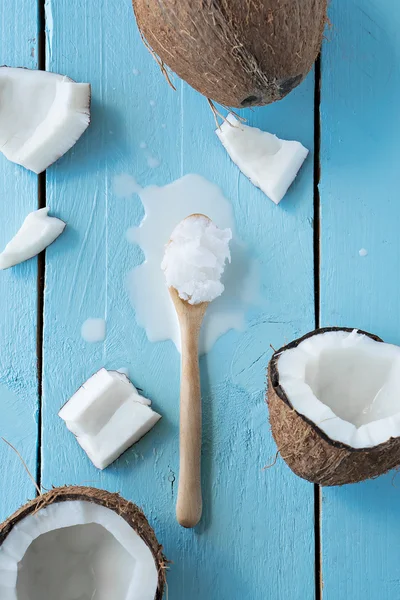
{"x":308,"y":451}
{"x":237,"y":52}
{"x":127,"y":510}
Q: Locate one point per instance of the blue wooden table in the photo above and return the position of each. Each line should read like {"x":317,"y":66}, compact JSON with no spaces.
{"x":266,"y":534}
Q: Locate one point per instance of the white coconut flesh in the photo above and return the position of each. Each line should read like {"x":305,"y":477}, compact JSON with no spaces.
{"x":270,"y":163}
{"x":108,"y":415}
{"x":36,"y":233}
{"x":42,"y":115}
{"x":347,"y":384}
{"x":76,"y":550}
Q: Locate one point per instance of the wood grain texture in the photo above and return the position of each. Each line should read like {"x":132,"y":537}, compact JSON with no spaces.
{"x":360,"y":209}
{"x":256,"y":536}
{"x":18,"y":297}
{"x":189,"y":504}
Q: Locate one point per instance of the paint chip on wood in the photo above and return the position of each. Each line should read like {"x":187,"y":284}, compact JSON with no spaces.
{"x":363,"y":252}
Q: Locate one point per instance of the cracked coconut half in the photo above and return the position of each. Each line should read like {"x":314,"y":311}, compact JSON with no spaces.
{"x":80,"y":543}
{"x":334,"y":405}
{"x":42,"y":115}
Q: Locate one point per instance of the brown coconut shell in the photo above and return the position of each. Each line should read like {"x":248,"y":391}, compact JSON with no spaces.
{"x":237,"y":52}
{"x":308,"y":451}
{"x":125,"y":509}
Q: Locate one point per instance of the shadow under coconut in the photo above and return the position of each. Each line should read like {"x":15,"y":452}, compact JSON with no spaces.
{"x":376,"y":499}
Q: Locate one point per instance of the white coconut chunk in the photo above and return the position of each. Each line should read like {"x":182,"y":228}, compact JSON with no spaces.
{"x":36,"y":233}
{"x":270,"y":163}
{"x":195,"y":258}
{"x":108,"y":415}
{"x":76,"y":550}
{"x":347,"y":384}
{"x":42,"y":115}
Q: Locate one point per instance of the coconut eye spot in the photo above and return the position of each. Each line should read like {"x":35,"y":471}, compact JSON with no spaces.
{"x":249,"y":101}
{"x":72,"y":563}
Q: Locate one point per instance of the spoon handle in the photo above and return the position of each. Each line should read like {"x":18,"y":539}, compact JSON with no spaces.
{"x":189,"y":503}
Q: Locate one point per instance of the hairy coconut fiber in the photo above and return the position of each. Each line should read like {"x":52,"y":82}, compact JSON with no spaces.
{"x":308,"y":451}
{"x":237,"y":52}
{"x":126,"y":510}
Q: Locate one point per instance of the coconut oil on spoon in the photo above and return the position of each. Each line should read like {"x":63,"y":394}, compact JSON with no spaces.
{"x":194,"y":262}
{"x":164,"y":208}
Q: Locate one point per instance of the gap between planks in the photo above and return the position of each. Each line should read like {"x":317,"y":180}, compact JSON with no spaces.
{"x":41,"y":264}
{"x":317,"y":307}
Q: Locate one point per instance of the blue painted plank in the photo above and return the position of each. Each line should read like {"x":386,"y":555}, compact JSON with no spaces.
{"x":18,"y":297}
{"x":256,"y":539}
{"x":360,"y":210}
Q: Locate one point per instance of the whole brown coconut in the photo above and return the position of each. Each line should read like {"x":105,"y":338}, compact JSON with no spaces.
{"x":237,"y":52}
{"x":308,"y":451}
{"x":126,"y":510}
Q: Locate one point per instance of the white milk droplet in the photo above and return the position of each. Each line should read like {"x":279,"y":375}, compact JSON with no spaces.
{"x":143,"y":145}
{"x":152,"y":103}
{"x":363,"y":252}
{"x":135,"y":71}
{"x":93,"y":330}
{"x":124,"y":185}
{"x":153,"y":162}
{"x":164,"y":208}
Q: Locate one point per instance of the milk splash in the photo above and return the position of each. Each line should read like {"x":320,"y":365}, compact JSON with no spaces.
{"x":164,"y":208}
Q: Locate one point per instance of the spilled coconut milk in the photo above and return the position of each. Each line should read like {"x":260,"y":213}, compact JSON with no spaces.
{"x":164,"y":208}
{"x":93,"y":330}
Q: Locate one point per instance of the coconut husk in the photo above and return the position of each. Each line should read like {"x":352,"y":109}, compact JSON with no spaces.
{"x":237,"y":52}
{"x":125,"y":509}
{"x":308,"y":451}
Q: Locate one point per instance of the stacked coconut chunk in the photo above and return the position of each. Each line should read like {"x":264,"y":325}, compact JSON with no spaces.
{"x":108,"y":415}
{"x":270,"y":163}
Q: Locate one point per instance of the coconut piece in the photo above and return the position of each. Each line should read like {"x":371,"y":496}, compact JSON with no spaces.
{"x":334,"y":405}
{"x":36,"y":233}
{"x":237,"y":52}
{"x":271,"y":164}
{"x":80,"y":542}
{"x":108,"y":416}
{"x":195,"y":258}
{"x":42,"y":115}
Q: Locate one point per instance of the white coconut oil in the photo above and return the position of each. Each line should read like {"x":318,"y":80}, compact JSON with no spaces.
{"x":164,"y":208}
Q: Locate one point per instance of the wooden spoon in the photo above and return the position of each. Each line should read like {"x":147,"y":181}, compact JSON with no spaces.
{"x":190,"y":316}
{"x":189,"y":504}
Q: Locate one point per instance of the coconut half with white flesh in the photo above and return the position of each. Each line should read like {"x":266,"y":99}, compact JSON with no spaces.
{"x":334,"y":405}
{"x":42,"y":115}
{"x":80,"y":543}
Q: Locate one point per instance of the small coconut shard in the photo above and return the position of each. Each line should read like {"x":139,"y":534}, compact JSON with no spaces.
{"x":195,"y":257}
{"x":271,"y":164}
{"x":80,"y":542}
{"x":36,"y":233}
{"x":108,"y":415}
{"x":239,"y":53}
{"x":42,"y":115}
{"x":334,"y":405}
